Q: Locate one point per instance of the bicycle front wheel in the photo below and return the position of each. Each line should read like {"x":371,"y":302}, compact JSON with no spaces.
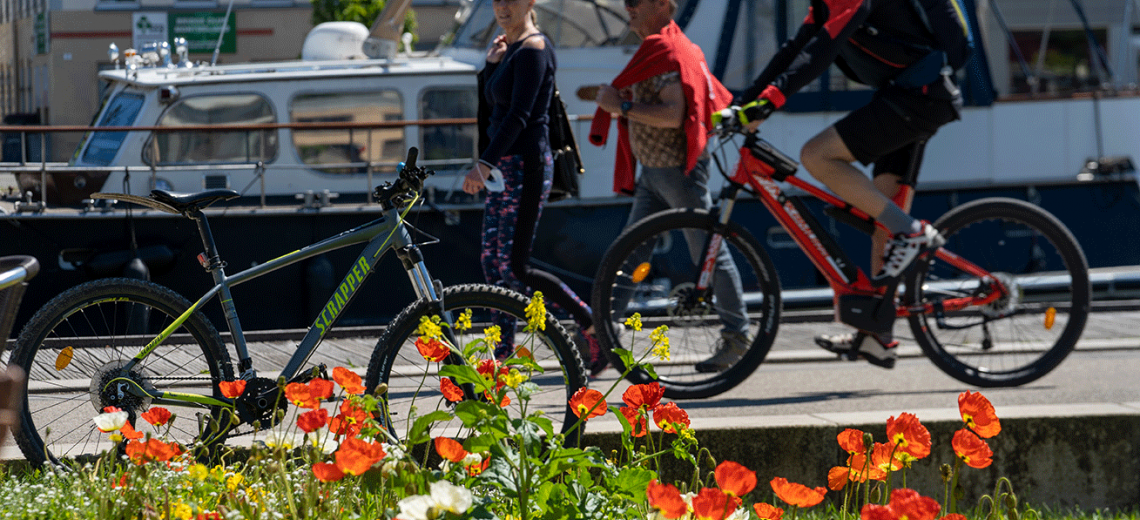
{"x":76,"y":350}
{"x":652,"y":270}
{"x":414,"y":383}
{"x":1025,"y":333}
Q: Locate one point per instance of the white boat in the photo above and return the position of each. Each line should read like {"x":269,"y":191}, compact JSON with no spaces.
{"x":312,"y":137}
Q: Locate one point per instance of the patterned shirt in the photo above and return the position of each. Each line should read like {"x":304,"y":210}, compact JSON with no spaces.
{"x":653,"y":146}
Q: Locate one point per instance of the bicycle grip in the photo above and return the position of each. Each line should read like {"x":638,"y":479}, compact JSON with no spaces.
{"x":413,"y":153}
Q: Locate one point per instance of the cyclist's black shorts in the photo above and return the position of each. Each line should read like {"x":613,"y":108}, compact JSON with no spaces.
{"x":891,"y":131}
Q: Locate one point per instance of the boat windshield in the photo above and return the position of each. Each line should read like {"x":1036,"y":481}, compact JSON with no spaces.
{"x":121,"y":111}
{"x":568,"y":23}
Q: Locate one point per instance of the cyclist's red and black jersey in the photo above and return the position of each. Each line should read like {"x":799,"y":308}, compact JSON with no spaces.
{"x":872,"y":41}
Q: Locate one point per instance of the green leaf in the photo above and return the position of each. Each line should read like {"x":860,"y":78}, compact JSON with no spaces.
{"x":631,"y":482}
{"x":419,"y":433}
{"x":475,"y":413}
{"x":499,"y":473}
{"x":626,"y":357}
{"x":479,"y":443}
{"x":465,"y":375}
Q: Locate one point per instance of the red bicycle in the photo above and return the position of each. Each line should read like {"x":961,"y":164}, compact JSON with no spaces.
{"x":1002,"y":303}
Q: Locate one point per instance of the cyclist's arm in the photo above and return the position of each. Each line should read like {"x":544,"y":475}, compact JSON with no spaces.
{"x":948,"y":20}
{"x":669,"y":114}
{"x":809,"y":54}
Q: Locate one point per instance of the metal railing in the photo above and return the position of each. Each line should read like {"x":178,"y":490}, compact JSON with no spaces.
{"x":15,"y":271}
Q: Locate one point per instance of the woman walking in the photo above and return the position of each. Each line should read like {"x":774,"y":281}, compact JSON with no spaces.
{"x":514,"y":99}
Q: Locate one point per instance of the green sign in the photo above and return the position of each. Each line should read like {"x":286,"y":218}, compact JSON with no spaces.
{"x":42,"y":33}
{"x":201,"y":31}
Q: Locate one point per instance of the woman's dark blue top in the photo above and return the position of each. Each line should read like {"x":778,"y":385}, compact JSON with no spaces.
{"x":518,"y":90}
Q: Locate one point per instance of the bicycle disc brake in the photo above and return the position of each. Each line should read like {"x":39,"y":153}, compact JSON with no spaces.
{"x":688,"y":304}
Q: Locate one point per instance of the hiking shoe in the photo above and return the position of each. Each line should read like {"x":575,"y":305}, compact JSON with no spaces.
{"x":901,"y":251}
{"x":877,"y":350}
{"x":596,"y":360}
{"x":730,"y":349}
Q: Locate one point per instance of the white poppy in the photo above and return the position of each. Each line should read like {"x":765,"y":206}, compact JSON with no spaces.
{"x":451,"y":498}
{"x":418,"y":507}
{"x":112,"y":421}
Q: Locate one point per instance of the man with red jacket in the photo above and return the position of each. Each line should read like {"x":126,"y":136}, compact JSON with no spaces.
{"x":664,"y":99}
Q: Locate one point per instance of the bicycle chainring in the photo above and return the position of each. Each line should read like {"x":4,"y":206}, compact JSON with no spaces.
{"x":260,"y":402}
{"x":1009,"y":302}
{"x":686,"y":304}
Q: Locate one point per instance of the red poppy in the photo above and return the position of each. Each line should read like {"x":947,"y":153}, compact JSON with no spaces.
{"x":953,"y":516}
{"x":451,"y":391}
{"x":491,"y":369}
{"x":978,"y":414}
{"x":450,"y":449}
{"x":149,"y":450}
{"x":862,"y":469}
{"x":647,"y":396}
{"x":670,"y":418}
{"x":129,"y":432}
{"x":797,"y":494}
{"x":666,"y":498}
{"x":909,"y":437}
{"x":883,"y":461}
{"x":355,"y":456}
{"x":734,"y":478}
{"x":478,"y":468}
{"x":312,"y":420}
{"x":712,"y":504}
{"x":348,"y":380}
{"x":320,"y":388}
{"x":851,"y":441}
{"x":972,"y":450}
{"x":349,"y":421}
{"x":156,"y":416}
{"x":326,"y":472}
{"x":432,"y":349}
{"x":767,"y":511}
{"x":588,"y":403}
{"x":300,"y":395}
{"x":232,"y":389}
{"x":122,"y":483}
{"x":637,"y":421}
{"x":905,"y":504}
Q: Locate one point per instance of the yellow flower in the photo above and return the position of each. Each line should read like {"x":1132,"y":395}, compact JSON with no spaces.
{"x":429,"y":327}
{"x":634,"y":322}
{"x":514,"y":378}
{"x":536,"y":313}
{"x":181,"y":511}
{"x":660,"y":342}
{"x":463,"y":323}
{"x":199,"y":471}
{"x":686,"y":434}
{"x":234,"y":481}
{"x":492,"y":335}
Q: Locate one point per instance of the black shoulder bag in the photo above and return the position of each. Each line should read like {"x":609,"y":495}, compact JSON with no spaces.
{"x":564,"y":148}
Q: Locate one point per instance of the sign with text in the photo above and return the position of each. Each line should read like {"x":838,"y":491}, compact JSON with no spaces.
{"x":148,"y":27}
{"x":201,"y":31}
{"x":42,"y":34}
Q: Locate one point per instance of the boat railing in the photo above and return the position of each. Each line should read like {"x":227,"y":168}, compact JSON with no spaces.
{"x":256,"y":161}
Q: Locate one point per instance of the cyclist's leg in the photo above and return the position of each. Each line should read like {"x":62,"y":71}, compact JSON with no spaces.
{"x":895,"y":176}
{"x":646,"y":201}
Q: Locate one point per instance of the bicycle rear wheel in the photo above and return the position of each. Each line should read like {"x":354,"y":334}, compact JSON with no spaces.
{"x":650,"y":269}
{"x":1028,"y":332}
{"x":80,"y":341}
{"x":413,"y":382}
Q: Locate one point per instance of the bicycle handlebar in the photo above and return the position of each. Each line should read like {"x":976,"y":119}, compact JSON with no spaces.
{"x":408,"y":184}
{"x":733,"y":119}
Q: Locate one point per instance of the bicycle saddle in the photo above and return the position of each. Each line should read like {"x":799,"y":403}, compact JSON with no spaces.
{"x":185,"y":201}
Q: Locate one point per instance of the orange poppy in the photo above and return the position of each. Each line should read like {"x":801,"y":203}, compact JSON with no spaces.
{"x":450,"y":449}
{"x":767,"y":511}
{"x":712,"y":504}
{"x":734,"y":478}
{"x":349,"y":421}
{"x":978,"y":414}
{"x":348,"y":380}
{"x":666,"y":499}
{"x":129,"y":432}
{"x":300,"y":396}
{"x":355,"y":456}
{"x":326,"y":472}
{"x":670,"y":418}
{"x":883,"y":461}
{"x":637,"y":422}
{"x":838,"y":476}
{"x":320,"y":388}
{"x":953,"y":516}
{"x":972,"y":450}
{"x":478,"y":468}
{"x":647,"y":396}
{"x":232,"y":389}
{"x":432,"y":349}
{"x":910,"y":438}
{"x":905,"y":504}
{"x":450,"y":390}
{"x":491,"y":369}
{"x":851,"y":441}
{"x":588,"y":403}
{"x":797,"y":494}
{"x":312,"y":420}
{"x":156,"y":416}
{"x":152,"y":449}
{"x":861,"y":469}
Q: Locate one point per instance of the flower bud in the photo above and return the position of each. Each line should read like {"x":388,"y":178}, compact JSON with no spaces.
{"x":381,"y":389}
{"x":875,"y":495}
{"x":868,"y":440}
{"x":1011,"y":501}
{"x":947,"y":472}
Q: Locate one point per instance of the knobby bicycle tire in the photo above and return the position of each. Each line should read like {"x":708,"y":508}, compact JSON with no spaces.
{"x":413,"y":381}
{"x":79,"y":341}
{"x":658,"y":284}
{"x":1024,"y":335}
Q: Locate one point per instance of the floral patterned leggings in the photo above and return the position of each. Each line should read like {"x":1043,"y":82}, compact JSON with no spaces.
{"x":510,"y":221}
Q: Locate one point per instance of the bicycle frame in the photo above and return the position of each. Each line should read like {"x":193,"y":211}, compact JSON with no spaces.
{"x":382,"y":234}
{"x":761,"y":167}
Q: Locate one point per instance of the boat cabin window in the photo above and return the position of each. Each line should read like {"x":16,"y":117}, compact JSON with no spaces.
{"x":568,"y":23}
{"x":121,"y":111}
{"x":451,"y":145}
{"x":348,"y":151}
{"x":198,"y":146}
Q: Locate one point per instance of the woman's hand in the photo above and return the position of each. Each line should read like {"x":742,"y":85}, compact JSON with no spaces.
{"x":497,"y":50}
{"x":475,"y":178}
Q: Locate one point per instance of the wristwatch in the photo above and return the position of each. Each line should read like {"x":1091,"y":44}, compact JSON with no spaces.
{"x":625,"y":106}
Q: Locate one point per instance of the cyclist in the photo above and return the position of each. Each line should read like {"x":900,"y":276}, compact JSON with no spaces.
{"x":907,"y":50}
